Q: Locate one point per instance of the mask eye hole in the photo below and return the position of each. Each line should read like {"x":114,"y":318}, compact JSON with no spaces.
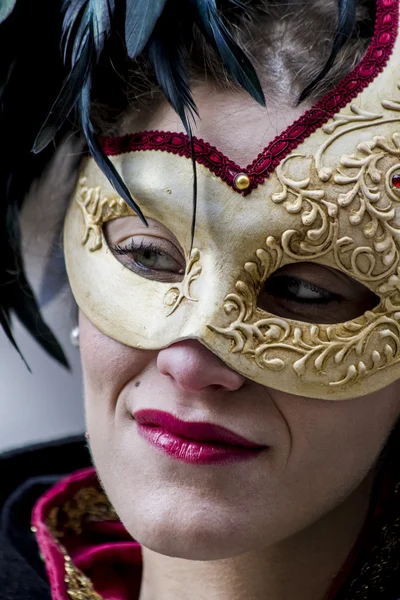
{"x":152,"y":252}
{"x":315,"y":293}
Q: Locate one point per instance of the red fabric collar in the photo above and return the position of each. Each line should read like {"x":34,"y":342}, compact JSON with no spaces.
{"x":101,"y":549}
{"x":105,"y":553}
{"x":374,"y":61}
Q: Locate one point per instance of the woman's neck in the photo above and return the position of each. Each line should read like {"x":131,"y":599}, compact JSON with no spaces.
{"x":300,"y":567}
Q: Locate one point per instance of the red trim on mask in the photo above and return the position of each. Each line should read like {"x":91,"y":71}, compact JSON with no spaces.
{"x":374,"y":61}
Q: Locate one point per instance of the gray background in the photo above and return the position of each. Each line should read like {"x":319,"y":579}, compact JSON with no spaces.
{"x":44,"y":404}
{"x":47,"y":403}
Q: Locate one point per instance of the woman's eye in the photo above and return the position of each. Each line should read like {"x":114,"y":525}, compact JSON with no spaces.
{"x":154,"y":259}
{"x":302,"y":300}
{"x":300,"y":290}
{"x":151,"y":261}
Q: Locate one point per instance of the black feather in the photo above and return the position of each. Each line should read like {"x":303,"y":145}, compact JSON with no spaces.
{"x":74,"y":15}
{"x":166,"y":57}
{"x":29,"y":53}
{"x":102,"y":159}
{"x":235,"y":61}
{"x":86,"y":26}
{"x":6,"y":325}
{"x":64,"y":103}
{"x":20,"y":297}
{"x":6,"y":8}
{"x":165,"y":51}
{"x":84,"y":18}
{"x":194,"y":213}
{"x":27,"y":311}
{"x":347,"y":19}
{"x":140,"y":20}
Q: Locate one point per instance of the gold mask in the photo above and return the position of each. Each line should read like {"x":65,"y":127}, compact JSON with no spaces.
{"x":327,"y":191}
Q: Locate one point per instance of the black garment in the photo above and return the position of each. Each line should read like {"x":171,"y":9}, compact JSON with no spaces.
{"x":25,"y":475}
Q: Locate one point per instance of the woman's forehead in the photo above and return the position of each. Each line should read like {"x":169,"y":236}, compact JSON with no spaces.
{"x":233,"y":122}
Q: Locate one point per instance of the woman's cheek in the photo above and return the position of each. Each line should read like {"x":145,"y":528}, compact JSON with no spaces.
{"x":108,"y":366}
{"x":339,"y":440}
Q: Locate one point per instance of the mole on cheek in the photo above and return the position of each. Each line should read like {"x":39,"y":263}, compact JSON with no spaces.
{"x":137,"y":384}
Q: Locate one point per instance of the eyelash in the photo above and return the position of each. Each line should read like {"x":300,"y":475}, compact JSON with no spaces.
{"x":132,"y":247}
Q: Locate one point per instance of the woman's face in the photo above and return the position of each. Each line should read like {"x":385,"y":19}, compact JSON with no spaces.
{"x":317,"y":452}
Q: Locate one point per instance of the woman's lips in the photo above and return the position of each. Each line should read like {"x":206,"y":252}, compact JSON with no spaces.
{"x":198,"y":443}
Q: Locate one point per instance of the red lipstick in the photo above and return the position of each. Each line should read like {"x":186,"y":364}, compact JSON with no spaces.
{"x":197,"y":443}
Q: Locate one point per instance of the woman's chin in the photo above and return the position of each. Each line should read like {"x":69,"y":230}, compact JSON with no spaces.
{"x":191,"y":548}
{"x":190,"y":537}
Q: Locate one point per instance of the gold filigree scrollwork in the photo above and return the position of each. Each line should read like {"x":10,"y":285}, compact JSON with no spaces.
{"x":337,"y":343}
{"x":266,"y":339}
{"x":246,"y":333}
{"x":343,"y":352}
{"x":176,"y":294}
{"x":373,"y":208}
{"x":317,"y":215}
{"x":96,"y":210}
{"x":357,"y":116}
{"x":392,"y":104}
{"x":357,"y":121}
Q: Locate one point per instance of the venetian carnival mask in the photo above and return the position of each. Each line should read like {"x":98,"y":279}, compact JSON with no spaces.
{"x":327,"y":190}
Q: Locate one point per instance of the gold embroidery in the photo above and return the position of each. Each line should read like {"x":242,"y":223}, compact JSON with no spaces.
{"x":176,"y":294}
{"x":79,"y":587}
{"x":88,"y":504}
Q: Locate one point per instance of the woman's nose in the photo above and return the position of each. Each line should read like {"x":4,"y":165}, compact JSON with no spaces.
{"x":194,"y":368}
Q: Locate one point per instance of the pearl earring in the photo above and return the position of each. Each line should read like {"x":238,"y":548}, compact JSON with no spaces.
{"x":74,"y":336}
